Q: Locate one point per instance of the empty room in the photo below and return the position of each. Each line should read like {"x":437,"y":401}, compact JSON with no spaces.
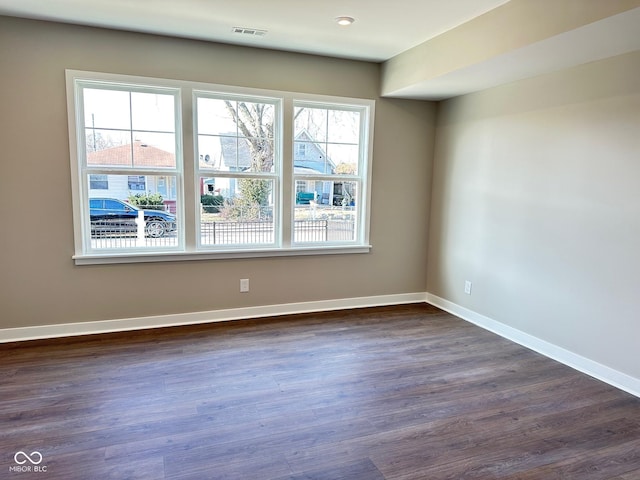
{"x":331,"y":240}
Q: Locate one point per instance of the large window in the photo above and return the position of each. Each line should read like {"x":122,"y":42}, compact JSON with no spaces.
{"x":222,"y":181}
{"x":236,"y":145}
{"x":328,"y":163}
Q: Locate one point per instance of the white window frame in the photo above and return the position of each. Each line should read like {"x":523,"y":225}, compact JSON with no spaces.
{"x":275,"y":176}
{"x":362,"y":177}
{"x":187,"y":174}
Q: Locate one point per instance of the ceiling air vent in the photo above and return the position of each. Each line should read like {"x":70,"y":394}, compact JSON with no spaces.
{"x":254,"y":32}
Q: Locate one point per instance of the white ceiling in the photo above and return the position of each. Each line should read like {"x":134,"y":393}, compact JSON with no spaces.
{"x":382,"y":28}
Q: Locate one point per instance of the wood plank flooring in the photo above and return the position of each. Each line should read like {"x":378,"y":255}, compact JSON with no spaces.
{"x":404,"y":392}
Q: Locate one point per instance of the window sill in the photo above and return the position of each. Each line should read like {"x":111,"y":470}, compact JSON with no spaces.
{"x":115,"y":258}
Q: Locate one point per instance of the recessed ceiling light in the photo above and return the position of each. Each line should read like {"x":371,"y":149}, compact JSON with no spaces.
{"x":345,"y":21}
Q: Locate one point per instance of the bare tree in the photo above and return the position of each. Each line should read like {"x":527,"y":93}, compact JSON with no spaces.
{"x":96,"y":141}
{"x":256,"y":125}
{"x":255,"y":122}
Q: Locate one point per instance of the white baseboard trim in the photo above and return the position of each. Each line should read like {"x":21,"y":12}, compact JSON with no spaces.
{"x":608,"y":375}
{"x":140,"y":323}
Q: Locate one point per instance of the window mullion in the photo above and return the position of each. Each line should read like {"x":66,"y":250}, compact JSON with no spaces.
{"x":288,"y":182}
{"x":191,"y":202}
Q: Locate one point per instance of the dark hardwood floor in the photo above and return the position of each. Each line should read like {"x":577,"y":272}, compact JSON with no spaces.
{"x":406,"y":392}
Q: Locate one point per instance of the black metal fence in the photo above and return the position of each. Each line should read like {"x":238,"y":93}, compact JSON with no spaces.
{"x":119,"y":240}
{"x":126,"y":234}
{"x":236,"y":233}
{"x":232,"y":233}
{"x":257,"y":232}
{"x":311,"y":230}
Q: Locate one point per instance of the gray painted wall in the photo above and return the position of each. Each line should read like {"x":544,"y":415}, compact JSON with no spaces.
{"x":536,"y":200}
{"x":41,"y":284}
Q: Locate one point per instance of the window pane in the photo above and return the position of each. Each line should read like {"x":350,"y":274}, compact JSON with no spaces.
{"x":327,"y":140}
{"x":325,"y":212}
{"x":344,"y":158}
{"x":310,"y":124}
{"x":235,"y":136}
{"x":152,"y":112}
{"x":111,"y":139}
{"x":156,"y":150}
{"x":260,"y":154}
{"x":108,"y":147}
{"x":236,"y":211}
{"x":230,"y":117}
{"x":343,"y":126}
{"x":255,"y":119}
{"x":210,"y":150}
{"x":216,"y":117}
{"x":114,"y":215}
{"x":309,"y":158}
{"x":106,"y":109}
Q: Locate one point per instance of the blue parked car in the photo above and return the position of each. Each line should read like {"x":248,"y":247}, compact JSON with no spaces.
{"x":110,"y":216}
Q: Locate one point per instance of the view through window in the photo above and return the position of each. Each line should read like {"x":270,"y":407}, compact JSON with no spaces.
{"x":249,"y":188}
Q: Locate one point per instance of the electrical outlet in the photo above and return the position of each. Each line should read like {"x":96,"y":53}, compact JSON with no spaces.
{"x":244,"y":285}
{"x":467,"y":287}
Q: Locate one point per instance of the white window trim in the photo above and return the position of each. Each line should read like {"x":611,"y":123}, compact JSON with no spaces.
{"x":188,"y":193}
